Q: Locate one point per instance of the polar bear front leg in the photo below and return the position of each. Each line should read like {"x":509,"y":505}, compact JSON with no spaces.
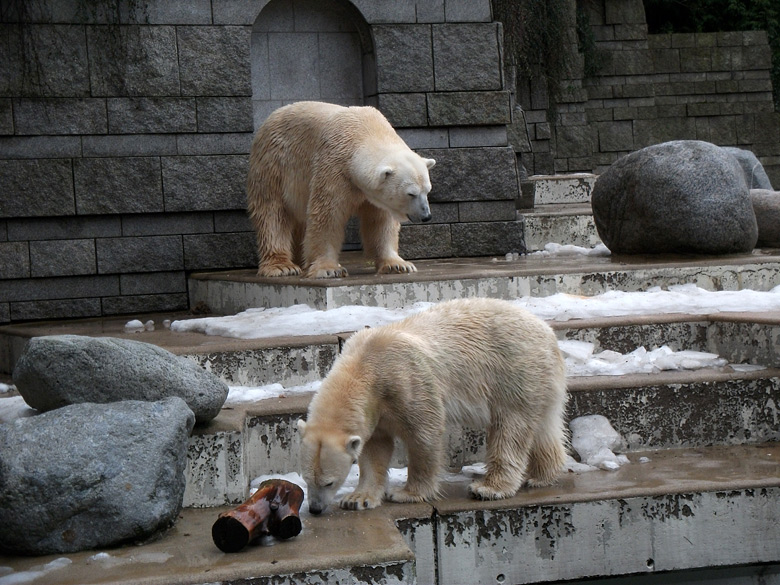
{"x":374,"y":461}
{"x":422,"y":484}
{"x":322,"y":242}
{"x":379,"y":235}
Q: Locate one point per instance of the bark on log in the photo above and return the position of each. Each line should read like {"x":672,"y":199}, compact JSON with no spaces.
{"x":273,"y":509}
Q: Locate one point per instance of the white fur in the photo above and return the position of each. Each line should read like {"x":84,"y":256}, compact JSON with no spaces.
{"x":475,"y":361}
{"x":312,"y":166}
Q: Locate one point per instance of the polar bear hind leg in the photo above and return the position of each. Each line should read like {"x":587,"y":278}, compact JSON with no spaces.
{"x":508,"y":454}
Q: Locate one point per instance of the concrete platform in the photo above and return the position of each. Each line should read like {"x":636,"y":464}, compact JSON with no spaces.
{"x":230,"y":292}
{"x":682,"y":509}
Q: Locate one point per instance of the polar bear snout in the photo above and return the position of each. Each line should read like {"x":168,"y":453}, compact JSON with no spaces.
{"x":419,"y":211}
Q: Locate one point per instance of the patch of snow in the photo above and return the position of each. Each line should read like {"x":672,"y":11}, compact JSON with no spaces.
{"x":301,"y":320}
{"x":553,"y":249}
{"x":595,"y":441}
{"x":34,"y":573}
{"x":134,"y":326}
{"x":14,"y":407}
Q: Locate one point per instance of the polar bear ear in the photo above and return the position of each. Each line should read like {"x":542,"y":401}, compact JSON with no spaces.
{"x":354,"y":446}
{"x":384,"y":171}
{"x":429,"y":162}
{"x":301,"y":426}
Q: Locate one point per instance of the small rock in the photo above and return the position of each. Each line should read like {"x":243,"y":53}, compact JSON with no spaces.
{"x":58,"y":370}
{"x":766,"y":205}
{"x":755,"y":175}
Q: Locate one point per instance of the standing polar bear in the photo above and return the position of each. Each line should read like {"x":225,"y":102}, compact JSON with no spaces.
{"x":481,"y":362}
{"x":312,"y":166}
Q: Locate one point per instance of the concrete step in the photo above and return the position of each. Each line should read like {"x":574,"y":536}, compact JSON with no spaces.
{"x":668,"y":409}
{"x":651,"y":411}
{"x":682,"y":509}
{"x":558,"y":189}
{"x":570,"y":223}
{"x":231,"y":292}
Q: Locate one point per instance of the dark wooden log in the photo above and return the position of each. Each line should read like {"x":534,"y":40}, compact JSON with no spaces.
{"x":273,"y":509}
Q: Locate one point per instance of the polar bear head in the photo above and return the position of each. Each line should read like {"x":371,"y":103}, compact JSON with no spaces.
{"x":326,"y":459}
{"x":396,"y":181}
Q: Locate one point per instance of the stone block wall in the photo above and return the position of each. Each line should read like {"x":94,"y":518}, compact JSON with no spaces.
{"x":648,"y":89}
{"x":125,"y":130}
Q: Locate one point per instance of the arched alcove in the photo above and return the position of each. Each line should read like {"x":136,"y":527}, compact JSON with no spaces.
{"x":310,"y":50}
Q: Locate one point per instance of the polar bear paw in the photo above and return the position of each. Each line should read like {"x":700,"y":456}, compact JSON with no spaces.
{"x":360,"y":501}
{"x":279,"y":270}
{"x":480,"y":491}
{"x":403,"y":496}
{"x":326,"y":271}
{"x":396,"y":267}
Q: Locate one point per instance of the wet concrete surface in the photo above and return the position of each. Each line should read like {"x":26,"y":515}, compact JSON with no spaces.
{"x":361,"y":272}
{"x":337,"y":539}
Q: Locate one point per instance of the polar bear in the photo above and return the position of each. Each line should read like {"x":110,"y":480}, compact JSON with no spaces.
{"x":312,"y":166}
{"x":484,"y":363}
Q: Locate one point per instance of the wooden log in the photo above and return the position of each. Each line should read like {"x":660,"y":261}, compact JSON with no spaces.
{"x":273,"y":509}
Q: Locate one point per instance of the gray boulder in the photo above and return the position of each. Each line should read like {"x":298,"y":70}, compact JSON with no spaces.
{"x":755,"y":175}
{"x":766,"y":204}
{"x":92,"y":475}
{"x":58,"y":370}
{"x":684,"y":196}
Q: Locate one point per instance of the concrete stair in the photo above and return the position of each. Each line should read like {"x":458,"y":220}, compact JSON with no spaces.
{"x":708,"y":495}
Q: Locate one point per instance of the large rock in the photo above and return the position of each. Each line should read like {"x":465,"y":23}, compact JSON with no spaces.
{"x":766,"y":205}
{"x":58,"y":370}
{"x":683,"y":196}
{"x":755,"y":175}
{"x":92,"y":475}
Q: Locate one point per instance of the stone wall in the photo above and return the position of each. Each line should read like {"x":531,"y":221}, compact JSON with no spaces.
{"x":124,"y":134}
{"x":649,"y":89}
{"x":125,"y":127}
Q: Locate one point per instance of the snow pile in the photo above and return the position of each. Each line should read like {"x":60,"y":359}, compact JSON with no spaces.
{"x":595,"y":441}
{"x":296,"y":320}
{"x":559,"y":250}
{"x":303,"y":320}
{"x":581,"y":361}
{"x":13,"y":578}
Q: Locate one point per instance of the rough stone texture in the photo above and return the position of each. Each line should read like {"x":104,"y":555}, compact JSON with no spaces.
{"x":133,"y":61}
{"x":680,"y":196}
{"x":58,"y":370}
{"x":404,"y":58}
{"x":92,"y":475}
{"x":214,"y":60}
{"x":151,"y":115}
{"x":34,"y":188}
{"x":755,"y":175}
{"x":197,"y":183}
{"x":766,"y":205}
{"x":473,"y":108}
{"x":118,"y":185}
{"x":473,"y":174}
{"x":466,"y":57}
{"x":14,"y":260}
{"x":62,"y":258}
{"x":148,"y":254}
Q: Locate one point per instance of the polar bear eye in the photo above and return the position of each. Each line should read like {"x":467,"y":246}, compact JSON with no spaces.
{"x":412,"y":195}
{"x":329,"y":484}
